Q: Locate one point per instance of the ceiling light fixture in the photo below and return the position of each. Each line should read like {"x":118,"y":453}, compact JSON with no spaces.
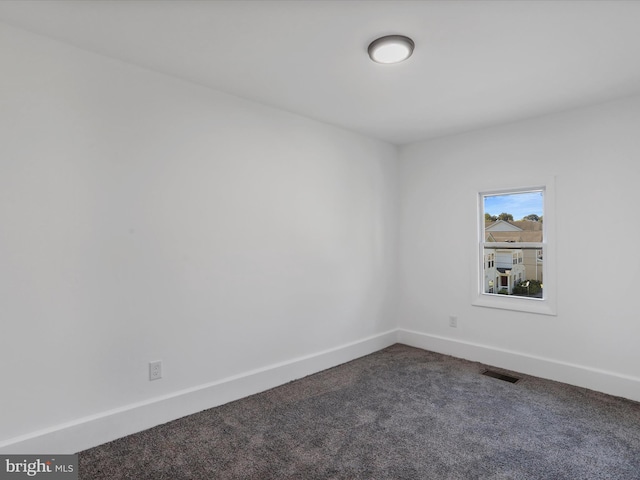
{"x":391,"y":49}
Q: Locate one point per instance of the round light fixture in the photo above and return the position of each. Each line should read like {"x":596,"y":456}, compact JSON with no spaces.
{"x":391,"y":49}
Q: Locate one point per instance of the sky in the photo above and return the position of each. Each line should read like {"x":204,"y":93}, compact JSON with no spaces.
{"x":517,"y":204}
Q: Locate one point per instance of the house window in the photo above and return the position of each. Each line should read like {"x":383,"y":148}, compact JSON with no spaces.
{"x":489,"y":261}
{"x":515,"y":249}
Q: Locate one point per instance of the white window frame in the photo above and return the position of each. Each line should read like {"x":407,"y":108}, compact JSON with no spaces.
{"x":544,"y":306}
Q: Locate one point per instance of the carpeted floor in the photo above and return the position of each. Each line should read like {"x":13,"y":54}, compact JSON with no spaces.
{"x":401,"y":413}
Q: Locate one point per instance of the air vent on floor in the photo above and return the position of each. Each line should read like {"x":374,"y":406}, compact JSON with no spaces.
{"x":500,"y":376}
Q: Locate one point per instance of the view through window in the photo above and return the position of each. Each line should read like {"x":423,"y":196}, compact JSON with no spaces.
{"x":513,"y":244}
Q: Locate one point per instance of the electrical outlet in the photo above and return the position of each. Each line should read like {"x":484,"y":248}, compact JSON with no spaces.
{"x":453,"y":321}
{"x":155,"y":370}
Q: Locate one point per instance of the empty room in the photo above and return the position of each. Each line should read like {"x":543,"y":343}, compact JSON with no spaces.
{"x":319,"y":239}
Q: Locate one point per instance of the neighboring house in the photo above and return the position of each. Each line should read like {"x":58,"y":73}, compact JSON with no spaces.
{"x":502,"y":226}
{"x":506,"y":267}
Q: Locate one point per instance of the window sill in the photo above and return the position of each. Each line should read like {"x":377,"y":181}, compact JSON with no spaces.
{"x":514,"y":303}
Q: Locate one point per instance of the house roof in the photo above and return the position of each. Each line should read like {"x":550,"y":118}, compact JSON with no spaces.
{"x":528,"y":225}
{"x":502,"y":226}
{"x":514,"y":231}
{"x":522,"y":236}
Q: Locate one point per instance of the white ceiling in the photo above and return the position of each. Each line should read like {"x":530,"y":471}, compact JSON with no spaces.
{"x":476,"y":62}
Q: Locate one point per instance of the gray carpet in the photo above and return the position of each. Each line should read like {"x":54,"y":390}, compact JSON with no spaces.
{"x":401,"y":413}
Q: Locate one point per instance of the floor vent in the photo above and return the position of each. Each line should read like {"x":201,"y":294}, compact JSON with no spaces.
{"x":500,"y":376}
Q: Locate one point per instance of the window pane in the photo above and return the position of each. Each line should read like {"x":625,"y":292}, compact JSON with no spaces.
{"x":516,"y":254}
{"x":514,"y":217}
{"x":513,"y":271}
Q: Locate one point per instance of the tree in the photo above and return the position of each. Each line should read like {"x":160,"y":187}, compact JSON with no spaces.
{"x":506,"y":217}
{"x":490,"y":218}
{"x":533,"y":217}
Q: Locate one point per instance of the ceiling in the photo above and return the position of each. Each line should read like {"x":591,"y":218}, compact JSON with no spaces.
{"x":476,"y":63}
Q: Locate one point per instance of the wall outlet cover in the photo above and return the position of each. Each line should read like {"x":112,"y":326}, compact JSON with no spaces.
{"x":155,"y":370}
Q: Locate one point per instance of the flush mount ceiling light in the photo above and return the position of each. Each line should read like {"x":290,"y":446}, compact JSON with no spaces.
{"x":391,"y":49}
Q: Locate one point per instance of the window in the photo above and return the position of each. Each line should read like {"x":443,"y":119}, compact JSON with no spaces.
{"x":490,"y":260}
{"x":515,"y":249}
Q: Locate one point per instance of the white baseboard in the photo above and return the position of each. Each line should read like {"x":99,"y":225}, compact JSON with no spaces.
{"x":103,"y":427}
{"x":106,"y":426}
{"x":586,"y":377}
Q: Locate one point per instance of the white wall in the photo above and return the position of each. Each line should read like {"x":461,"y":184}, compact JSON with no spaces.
{"x":594,"y":154}
{"x":145,"y":218}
